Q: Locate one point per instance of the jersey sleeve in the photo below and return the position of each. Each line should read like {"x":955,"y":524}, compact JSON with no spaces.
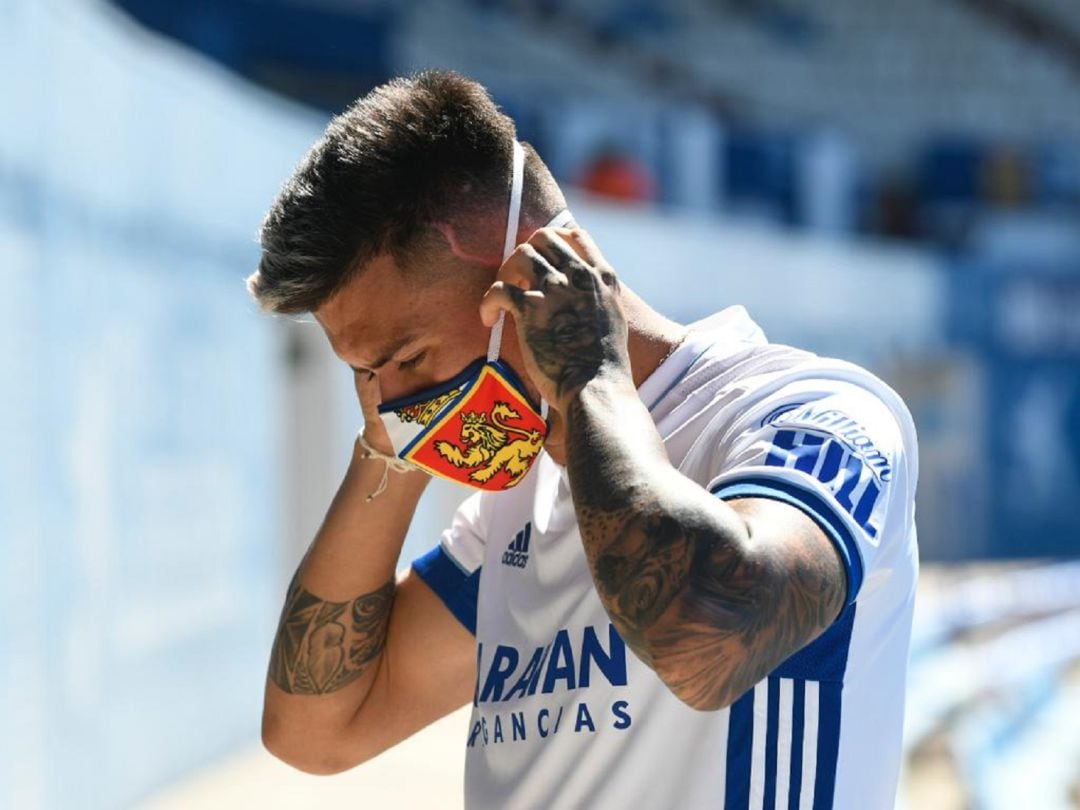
{"x":836,"y":451}
{"x":452,"y":568}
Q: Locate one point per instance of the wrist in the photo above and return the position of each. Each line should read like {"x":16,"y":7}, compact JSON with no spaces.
{"x":392,"y":473}
{"x":610,"y":384}
{"x":373,"y":437}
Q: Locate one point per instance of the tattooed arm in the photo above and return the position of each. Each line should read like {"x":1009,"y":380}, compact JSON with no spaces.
{"x":711,"y":595}
{"x":323,"y":646}
{"x":361,"y":662}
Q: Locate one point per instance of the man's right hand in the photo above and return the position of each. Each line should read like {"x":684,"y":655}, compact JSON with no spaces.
{"x":362,"y":659}
{"x":367,"y":391}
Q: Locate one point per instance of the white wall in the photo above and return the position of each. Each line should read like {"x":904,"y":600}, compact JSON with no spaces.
{"x":139,"y":481}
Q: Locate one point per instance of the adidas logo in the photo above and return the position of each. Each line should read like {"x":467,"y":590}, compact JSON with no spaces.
{"x":517,"y":553}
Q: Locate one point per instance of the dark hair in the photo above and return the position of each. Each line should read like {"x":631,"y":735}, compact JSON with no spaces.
{"x":428,"y":148}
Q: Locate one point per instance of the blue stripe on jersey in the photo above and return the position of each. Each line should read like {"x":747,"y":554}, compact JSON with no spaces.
{"x":739,"y":747}
{"x":456,"y":588}
{"x":828,"y":744}
{"x":813,"y":505}
{"x":772,"y":732}
{"x":798,"y":719}
{"x":824,"y":658}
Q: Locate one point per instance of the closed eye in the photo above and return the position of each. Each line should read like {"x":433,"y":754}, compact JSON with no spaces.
{"x":412,"y":362}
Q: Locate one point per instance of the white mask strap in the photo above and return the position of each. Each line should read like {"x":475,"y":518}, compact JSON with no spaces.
{"x":512,"y":219}
{"x":561,"y":220}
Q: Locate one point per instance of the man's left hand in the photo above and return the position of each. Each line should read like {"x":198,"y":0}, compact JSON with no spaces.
{"x":565,"y":302}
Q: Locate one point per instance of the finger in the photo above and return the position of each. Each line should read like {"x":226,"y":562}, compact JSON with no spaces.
{"x":367,"y":389}
{"x":528,"y":269}
{"x":585,"y":249}
{"x":583,"y":244}
{"x":370,"y":395}
{"x":503,"y":297}
{"x":555,"y":250}
{"x":581,"y":275}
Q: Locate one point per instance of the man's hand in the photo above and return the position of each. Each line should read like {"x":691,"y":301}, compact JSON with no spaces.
{"x":565,"y":302}
{"x":367,"y":391}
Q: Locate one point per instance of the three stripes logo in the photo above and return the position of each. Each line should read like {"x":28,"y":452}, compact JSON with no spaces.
{"x":517,"y":553}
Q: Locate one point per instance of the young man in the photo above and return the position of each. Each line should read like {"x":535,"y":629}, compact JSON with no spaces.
{"x":687,"y":580}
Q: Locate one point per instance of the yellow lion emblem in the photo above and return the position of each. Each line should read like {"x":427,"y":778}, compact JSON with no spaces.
{"x":489,"y":447}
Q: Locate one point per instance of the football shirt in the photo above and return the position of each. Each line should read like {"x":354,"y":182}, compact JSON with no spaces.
{"x":565,"y":716}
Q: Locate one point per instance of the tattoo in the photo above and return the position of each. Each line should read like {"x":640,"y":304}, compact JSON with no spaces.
{"x":718,"y":617}
{"x":580,"y":326}
{"x":323,"y":646}
{"x":712,"y":613}
{"x":568,"y":348}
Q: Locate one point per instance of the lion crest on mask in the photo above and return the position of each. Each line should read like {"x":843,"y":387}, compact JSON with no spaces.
{"x":490,"y":444}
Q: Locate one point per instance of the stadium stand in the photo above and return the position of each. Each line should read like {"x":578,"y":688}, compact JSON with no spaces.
{"x":1045,"y":24}
{"x":890,"y":74}
{"x":995,"y":659}
{"x":931,"y":115}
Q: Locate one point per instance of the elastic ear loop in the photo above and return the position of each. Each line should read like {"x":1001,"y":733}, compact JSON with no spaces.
{"x":561,"y":219}
{"x":513,"y":219}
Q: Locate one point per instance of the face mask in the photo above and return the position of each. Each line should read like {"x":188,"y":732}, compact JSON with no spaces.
{"x":480,"y":428}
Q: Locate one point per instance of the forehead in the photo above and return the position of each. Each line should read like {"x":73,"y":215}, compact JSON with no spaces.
{"x":381,"y":310}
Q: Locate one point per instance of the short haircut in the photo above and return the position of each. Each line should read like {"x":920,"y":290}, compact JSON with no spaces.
{"x":429,"y":148}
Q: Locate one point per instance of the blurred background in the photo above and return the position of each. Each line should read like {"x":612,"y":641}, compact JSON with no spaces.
{"x":894,"y":183}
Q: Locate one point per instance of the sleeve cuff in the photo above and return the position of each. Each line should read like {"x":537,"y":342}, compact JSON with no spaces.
{"x":813,"y":505}
{"x":454,"y":586}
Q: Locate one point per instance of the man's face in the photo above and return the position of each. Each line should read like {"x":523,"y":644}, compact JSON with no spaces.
{"x":416,"y":334}
{"x":411,"y":334}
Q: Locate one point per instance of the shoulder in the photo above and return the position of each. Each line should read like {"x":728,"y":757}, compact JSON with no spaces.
{"x":824,"y":397}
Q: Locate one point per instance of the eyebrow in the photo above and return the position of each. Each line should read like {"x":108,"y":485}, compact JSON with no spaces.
{"x":387,"y":354}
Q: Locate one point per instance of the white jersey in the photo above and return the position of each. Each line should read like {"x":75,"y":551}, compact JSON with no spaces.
{"x":565,"y":716}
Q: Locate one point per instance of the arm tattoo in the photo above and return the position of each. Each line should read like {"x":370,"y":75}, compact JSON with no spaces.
{"x":323,"y":646}
{"x":712,"y":612}
{"x":713,"y":617}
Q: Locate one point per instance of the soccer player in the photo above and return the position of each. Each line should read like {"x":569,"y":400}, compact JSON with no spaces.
{"x":686,"y":577}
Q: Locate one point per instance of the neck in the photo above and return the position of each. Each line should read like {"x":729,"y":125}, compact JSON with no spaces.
{"x":652,"y":337}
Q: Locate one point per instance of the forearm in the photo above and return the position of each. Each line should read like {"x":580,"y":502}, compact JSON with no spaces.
{"x":334,"y":622}
{"x":712,"y":596}
{"x":645,"y":527}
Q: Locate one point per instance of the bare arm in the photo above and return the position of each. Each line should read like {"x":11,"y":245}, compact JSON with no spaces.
{"x":712,"y":595}
{"x":361,"y":662}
